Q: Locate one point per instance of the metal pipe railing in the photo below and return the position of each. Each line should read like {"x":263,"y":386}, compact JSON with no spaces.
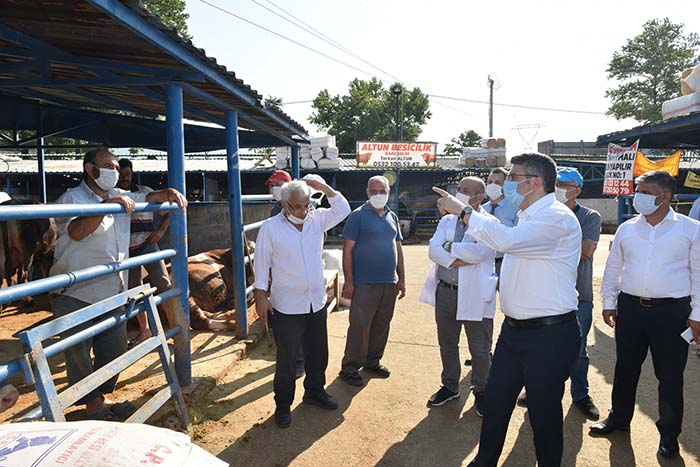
{"x":14,"y":367}
{"x":67,"y":279}
{"x":43,"y":211}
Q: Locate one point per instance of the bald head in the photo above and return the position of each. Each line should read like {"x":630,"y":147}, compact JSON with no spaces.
{"x":475,"y":188}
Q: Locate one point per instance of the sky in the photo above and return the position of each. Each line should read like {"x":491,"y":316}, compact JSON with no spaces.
{"x":549,"y":54}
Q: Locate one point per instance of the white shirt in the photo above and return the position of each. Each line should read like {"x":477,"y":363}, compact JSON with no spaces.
{"x":695,"y":210}
{"x":142,"y":225}
{"x":661,"y":261}
{"x":294,"y":258}
{"x":476,"y":292}
{"x":108,"y":243}
{"x":538,"y":274}
{"x":4,"y":197}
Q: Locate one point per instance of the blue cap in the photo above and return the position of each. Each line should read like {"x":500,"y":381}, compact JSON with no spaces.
{"x":569,"y":174}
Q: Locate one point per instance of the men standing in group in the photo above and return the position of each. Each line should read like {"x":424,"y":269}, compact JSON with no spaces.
{"x":144,"y":239}
{"x":651,"y":293}
{"x":540,"y":337}
{"x":289,"y":254}
{"x":374,"y":276}
{"x":462,"y":286}
{"x":86,"y":241}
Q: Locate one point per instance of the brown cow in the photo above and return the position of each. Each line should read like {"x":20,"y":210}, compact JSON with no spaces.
{"x":27,"y":247}
{"x":212,"y":292}
{"x":430,"y":158}
{"x":364,"y":158}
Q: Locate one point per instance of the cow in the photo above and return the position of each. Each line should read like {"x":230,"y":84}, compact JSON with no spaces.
{"x":419,"y":205}
{"x":363,"y":159}
{"x":212,"y":296}
{"x":26,"y":247}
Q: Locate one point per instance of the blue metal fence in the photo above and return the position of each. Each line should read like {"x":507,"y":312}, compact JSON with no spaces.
{"x":34,"y":365}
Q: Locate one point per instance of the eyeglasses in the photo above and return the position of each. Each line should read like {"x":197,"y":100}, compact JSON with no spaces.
{"x":511,"y":175}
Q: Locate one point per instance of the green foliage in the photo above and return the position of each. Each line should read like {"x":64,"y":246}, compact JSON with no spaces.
{"x":273,"y":102}
{"x":172,"y":13}
{"x":648,"y":68}
{"x":466,"y":139}
{"x":368,"y":112}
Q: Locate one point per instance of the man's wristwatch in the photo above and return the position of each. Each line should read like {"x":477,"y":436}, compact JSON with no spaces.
{"x":466,"y":210}
{"x":447,"y":246}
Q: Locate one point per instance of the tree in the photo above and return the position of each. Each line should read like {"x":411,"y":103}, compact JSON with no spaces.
{"x":648,"y":67}
{"x":368,"y":112}
{"x":469,"y":138}
{"x":273,"y":102}
{"x":172,"y":13}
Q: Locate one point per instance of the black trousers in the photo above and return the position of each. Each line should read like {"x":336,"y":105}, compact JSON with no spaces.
{"x":308,"y":330}
{"x":638,"y":329}
{"x":538,"y":359}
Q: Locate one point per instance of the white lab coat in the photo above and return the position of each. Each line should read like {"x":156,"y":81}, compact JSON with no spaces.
{"x":476,"y":295}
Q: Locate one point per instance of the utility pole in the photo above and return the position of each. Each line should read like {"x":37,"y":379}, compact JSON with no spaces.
{"x":490,"y":84}
{"x":396,"y":90}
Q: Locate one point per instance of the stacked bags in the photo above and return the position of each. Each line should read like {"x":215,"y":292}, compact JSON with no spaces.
{"x":492,"y":153}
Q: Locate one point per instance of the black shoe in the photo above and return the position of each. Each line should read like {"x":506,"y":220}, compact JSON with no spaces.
{"x":283,"y":418}
{"x":522,"y":401}
{"x":606,"y":427}
{"x":442,"y":396}
{"x":668,"y":448}
{"x":379,"y":370}
{"x":588,"y":408}
{"x":479,"y":403}
{"x":468,"y":362}
{"x":322,"y":399}
{"x":353,"y":379}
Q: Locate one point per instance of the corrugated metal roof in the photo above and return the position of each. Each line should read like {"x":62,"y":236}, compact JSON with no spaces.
{"x":77,"y":28}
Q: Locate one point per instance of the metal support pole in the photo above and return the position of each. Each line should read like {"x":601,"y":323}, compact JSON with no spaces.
{"x":178,"y":228}
{"x":396,"y":192}
{"x":40,"y":161}
{"x":295,"y":162}
{"x":490,"y":81}
{"x":235,"y":205}
{"x":205,"y":188}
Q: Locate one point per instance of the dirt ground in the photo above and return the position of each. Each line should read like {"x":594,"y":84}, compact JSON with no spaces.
{"x":386,"y":422}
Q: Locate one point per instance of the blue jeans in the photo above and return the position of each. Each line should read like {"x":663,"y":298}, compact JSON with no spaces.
{"x":579,"y":370}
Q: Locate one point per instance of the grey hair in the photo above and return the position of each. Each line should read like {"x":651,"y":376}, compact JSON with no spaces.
{"x":660,"y":178}
{"x":379,"y":178}
{"x":481,"y":186}
{"x":295,"y":186}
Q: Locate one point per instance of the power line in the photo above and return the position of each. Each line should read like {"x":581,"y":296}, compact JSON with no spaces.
{"x":316,"y":33}
{"x":548,"y":109}
{"x":223,"y":10}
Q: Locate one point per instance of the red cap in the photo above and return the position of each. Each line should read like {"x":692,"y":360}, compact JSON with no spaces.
{"x":278,"y":176}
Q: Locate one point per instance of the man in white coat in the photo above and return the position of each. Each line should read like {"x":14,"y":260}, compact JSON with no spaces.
{"x":461,"y":285}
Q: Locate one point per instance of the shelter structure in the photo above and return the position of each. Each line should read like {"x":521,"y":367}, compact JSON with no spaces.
{"x":107,"y":72}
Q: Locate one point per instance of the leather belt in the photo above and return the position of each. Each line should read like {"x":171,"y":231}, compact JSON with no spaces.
{"x":448,"y":285}
{"x":652,"y":302}
{"x":539,"y":322}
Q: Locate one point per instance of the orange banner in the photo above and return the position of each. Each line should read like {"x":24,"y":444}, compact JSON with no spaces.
{"x":669,"y":164}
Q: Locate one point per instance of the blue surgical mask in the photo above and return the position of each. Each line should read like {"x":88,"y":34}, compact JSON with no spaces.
{"x":510,"y":192}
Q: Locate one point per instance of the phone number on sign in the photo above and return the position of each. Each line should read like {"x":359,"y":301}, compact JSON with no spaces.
{"x":617,"y":187}
{"x":395,"y":164}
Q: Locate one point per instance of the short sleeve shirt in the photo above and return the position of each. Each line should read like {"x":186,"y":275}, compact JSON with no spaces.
{"x":374,"y":257}
{"x":590,"y":221}
{"x":142,"y":226}
{"x":108,"y":243}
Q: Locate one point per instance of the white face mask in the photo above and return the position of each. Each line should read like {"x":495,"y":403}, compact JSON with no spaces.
{"x":108,"y":179}
{"x":561,"y":195}
{"x":462,"y":198}
{"x":645,"y":204}
{"x":494,"y":191}
{"x":277,"y":193}
{"x":379,"y":201}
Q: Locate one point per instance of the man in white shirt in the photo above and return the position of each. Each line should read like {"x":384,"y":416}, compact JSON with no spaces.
{"x":88,"y":241}
{"x":461,"y":285}
{"x":540,"y":337}
{"x":288,"y":251}
{"x":650,"y":295}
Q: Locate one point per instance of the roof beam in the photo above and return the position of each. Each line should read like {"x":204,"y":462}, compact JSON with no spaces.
{"x":115,"y":81}
{"x":143,"y":28}
{"x":112,"y":103}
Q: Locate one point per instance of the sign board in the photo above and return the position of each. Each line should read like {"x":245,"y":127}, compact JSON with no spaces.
{"x":619,"y":169}
{"x":692,"y":180}
{"x":396,"y":155}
